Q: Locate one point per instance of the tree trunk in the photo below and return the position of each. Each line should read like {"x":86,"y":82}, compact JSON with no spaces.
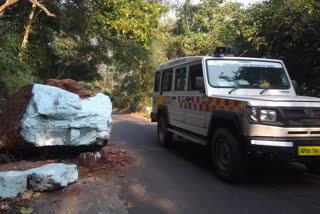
{"x":27,"y":32}
{"x":140,"y":70}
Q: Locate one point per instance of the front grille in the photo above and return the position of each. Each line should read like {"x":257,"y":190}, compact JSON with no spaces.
{"x":302,"y":117}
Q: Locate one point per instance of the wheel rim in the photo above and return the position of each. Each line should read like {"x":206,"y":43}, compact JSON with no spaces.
{"x":223,"y":154}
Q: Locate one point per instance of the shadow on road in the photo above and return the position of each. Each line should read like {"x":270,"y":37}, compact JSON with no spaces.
{"x":179,"y":179}
{"x":261,"y":172}
{"x":141,"y":135}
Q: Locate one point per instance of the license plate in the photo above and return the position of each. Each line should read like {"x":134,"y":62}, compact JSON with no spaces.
{"x":309,"y":150}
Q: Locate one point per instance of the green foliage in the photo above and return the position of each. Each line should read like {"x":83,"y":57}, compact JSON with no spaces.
{"x":134,"y":86}
{"x":135,"y":20}
{"x":13,"y":74}
{"x":200,"y":28}
{"x":99,"y":86}
{"x":287,"y":30}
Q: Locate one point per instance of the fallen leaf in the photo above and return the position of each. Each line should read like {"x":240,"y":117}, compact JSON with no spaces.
{"x":27,"y":194}
{"x":36,"y":195}
{"x":27,"y":210}
{"x":97,"y":178}
{"x":130,"y":205}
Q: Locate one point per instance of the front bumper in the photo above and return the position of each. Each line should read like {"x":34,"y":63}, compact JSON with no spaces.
{"x":283,"y":149}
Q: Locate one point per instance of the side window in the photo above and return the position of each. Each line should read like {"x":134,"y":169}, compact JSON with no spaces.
{"x":167,"y":80}
{"x":195,"y":78}
{"x":180,"y":79}
{"x":157,"y":81}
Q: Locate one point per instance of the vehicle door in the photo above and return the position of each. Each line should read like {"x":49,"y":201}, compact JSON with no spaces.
{"x":178,"y":95}
{"x":195,"y":113}
{"x":166,"y":92}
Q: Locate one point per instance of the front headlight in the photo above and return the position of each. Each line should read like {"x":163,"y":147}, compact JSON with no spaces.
{"x":268,"y":115}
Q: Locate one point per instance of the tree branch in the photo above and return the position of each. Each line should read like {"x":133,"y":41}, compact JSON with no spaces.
{"x":41,"y":6}
{"x":8,"y":3}
{"x":36,"y":15}
{"x":119,"y":45}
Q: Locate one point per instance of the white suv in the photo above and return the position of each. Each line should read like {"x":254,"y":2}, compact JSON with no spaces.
{"x":237,"y":107}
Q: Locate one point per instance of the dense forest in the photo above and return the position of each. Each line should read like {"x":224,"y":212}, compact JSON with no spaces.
{"x":113,"y":46}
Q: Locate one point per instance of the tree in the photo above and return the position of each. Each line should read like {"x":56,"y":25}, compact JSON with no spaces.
{"x":200,"y":28}
{"x":32,"y":16}
{"x":13,"y":73}
{"x":287,"y":30}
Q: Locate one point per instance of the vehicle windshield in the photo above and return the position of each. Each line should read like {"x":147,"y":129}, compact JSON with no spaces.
{"x":247,"y":74}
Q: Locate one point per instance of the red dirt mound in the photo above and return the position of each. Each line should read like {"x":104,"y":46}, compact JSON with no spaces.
{"x":71,"y":86}
{"x":10,"y":119}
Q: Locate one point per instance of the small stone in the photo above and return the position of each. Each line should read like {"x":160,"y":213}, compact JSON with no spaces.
{"x":89,"y":159}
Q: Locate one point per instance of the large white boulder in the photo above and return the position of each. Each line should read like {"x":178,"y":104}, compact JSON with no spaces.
{"x":58,"y":117}
{"x":44,"y":178}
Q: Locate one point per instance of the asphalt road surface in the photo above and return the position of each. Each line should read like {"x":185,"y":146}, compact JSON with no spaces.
{"x":180,"y":179}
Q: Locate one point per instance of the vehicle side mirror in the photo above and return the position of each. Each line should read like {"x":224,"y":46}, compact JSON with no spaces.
{"x":199,"y":85}
{"x":294,"y":84}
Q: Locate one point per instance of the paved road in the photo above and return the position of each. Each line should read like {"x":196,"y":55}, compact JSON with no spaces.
{"x":180,"y":180}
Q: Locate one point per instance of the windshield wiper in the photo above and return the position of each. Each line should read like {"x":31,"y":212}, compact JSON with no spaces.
{"x":264,"y":90}
{"x":232,"y":90}
{"x":236,"y":88}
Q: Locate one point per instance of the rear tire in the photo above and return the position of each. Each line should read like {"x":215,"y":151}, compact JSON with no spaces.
{"x":164,"y":136}
{"x":230,"y":160}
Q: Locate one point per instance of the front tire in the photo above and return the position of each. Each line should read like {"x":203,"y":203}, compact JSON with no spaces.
{"x":164,"y":136}
{"x":313,"y":166}
{"x":230,"y":160}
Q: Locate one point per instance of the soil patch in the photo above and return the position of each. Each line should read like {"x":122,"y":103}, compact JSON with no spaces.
{"x":11,"y":117}
{"x":71,"y":86}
